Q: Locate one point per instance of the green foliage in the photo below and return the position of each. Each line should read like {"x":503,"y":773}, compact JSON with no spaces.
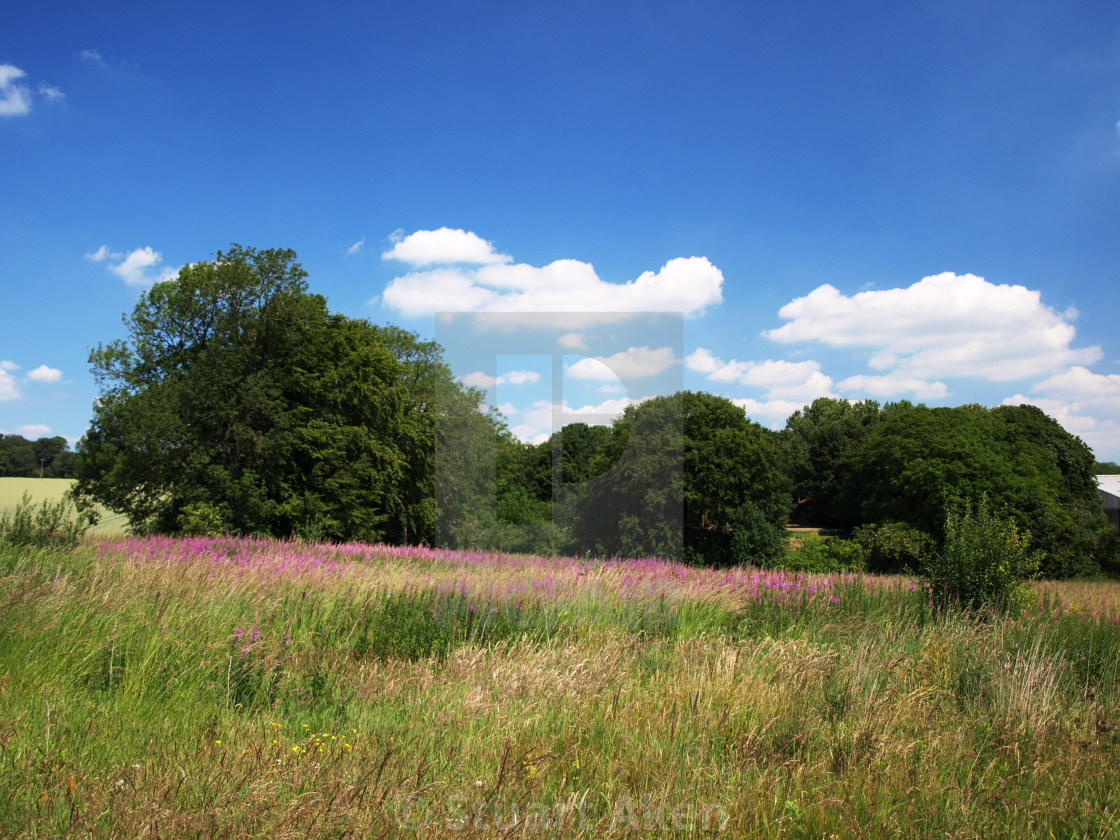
{"x":756,"y":539}
{"x":1106,"y":468}
{"x":1016,"y":456}
{"x":54,"y":524}
{"x":202,"y":519}
{"x":983,"y":560}
{"x":240,"y":402}
{"x":819,"y":444}
{"x":823,"y":555}
{"x":47,"y":457}
{"x":892,"y":547}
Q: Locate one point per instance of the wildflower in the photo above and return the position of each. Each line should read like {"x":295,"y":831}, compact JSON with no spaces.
{"x":237,"y":634}
{"x":254,"y":635}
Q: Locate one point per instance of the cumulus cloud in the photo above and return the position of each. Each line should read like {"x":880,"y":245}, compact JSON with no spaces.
{"x":140,"y":267}
{"x":944,"y":325}
{"x":6,"y":365}
{"x":479,"y":379}
{"x":782,"y":380}
{"x":44,"y":374}
{"x":8,"y":389}
{"x":16,"y":97}
{"x":573,"y":341}
{"x":443,"y":246}
{"x":634,"y":363}
{"x":34,"y":431}
{"x":893,"y":385}
{"x":1085,"y":403}
{"x":775,"y":412}
{"x":543,"y":417}
{"x":491,"y":283}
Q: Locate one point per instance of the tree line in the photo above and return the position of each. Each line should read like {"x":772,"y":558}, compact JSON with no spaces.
{"x":238,"y":402}
{"x":47,"y":457}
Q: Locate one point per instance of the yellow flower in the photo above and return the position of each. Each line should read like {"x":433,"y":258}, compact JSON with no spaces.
{"x":218,"y":741}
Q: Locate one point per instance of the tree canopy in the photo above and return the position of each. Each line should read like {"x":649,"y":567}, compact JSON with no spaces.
{"x":239,"y":394}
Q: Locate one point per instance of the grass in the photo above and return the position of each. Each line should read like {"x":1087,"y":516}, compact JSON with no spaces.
{"x":52,"y":490}
{"x":237,"y":688}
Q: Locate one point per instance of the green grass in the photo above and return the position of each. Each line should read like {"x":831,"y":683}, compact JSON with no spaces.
{"x":230,"y":689}
{"x":52,"y":490}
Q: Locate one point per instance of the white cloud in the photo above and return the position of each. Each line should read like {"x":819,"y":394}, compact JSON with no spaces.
{"x":480,"y":379}
{"x":634,"y":363}
{"x":140,"y":267}
{"x":944,"y":325}
{"x":6,"y":365}
{"x":893,"y":385}
{"x":92,"y":55}
{"x":1087,"y":404}
{"x":508,"y":409}
{"x":684,"y":284}
{"x":16,"y":98}
{"x":782,"y":380}
{"x":33,"y":431}
{"x":356,"y":247}
{"x":573,"y":341}
{"x":44,"y":374}
{"x":544,"y":416}
{"x":774,"y":412}
{"x":101,"y":254}
{"x":444,"y":246}
{"x":8,"y":389}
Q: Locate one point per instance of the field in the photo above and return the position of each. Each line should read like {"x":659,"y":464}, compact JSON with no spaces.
{"x":229,"y":688}
{"x":51,"y":490}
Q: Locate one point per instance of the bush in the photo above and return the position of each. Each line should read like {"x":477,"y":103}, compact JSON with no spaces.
{"x":57,"y":524}
{"x":823,"y":555}
{"x":893,"y":547}
{"x":755,"y":538}
{"x":983,"y":560}
{"x":202,"y":519}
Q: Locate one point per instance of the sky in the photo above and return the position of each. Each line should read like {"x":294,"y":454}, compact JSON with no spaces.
{"x":772,"y":202}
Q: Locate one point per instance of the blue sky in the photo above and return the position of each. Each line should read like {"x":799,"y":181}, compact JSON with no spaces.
{"x":879,"y":200}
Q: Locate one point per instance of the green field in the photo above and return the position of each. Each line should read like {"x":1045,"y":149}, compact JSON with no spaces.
{"x":51,"y":490}
{"x":232,"y":688}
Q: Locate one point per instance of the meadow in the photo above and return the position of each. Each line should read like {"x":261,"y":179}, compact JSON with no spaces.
{"x":230,"y":688}
{"x":53,"y":490}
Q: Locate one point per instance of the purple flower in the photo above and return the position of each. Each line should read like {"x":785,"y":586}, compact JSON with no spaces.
{"x":237,"y":634}
{"x":254,"y":636}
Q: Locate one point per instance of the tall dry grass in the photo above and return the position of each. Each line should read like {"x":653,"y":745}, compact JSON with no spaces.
{"x":240,"y":689}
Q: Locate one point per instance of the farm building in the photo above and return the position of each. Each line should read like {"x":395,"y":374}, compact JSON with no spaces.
{"x":1109,"y":488}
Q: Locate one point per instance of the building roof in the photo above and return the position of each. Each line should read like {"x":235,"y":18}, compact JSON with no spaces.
{"x":1109,"y":484}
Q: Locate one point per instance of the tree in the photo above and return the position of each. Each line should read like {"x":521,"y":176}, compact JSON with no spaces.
{"x":819,"y":444}
{"x":680,"y":477}
{"x":49,"y":457}
{"x":920,"y":460}
{"x":239,"y":398}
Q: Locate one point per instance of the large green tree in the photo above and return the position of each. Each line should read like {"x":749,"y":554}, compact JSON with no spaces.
{"x":686,"y":476}
{"x":1014,"y":458}
{"x":238,"y":394}
{"x":819,"y":444}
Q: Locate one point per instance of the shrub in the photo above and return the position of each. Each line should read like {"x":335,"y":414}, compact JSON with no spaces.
{"x":893,"y":547}
{"x":202,"y":519}
{"x":57,"y":524}
{"x":755,"y":538}
{"x":823,"y":555}
{"x":983,"y":560}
